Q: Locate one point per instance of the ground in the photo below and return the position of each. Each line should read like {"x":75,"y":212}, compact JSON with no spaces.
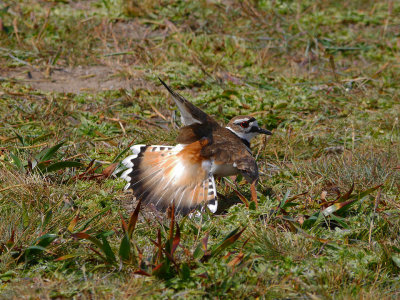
{"x":78,"y":86}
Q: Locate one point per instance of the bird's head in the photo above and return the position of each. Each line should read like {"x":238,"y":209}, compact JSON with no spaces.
{"x":246,"y":127}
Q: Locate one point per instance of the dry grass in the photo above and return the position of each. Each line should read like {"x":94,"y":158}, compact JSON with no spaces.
{"x":322,"y":75}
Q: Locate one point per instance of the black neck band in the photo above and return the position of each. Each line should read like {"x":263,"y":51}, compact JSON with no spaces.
{"x":246,"y":142}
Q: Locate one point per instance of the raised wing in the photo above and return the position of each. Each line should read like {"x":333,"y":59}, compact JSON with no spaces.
{"x":190,"y":114}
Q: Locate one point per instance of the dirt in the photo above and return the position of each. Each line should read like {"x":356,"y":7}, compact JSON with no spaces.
{"x":74,"y":80}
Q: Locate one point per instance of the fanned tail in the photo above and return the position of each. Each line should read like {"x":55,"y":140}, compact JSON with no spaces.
{"x":163,"y":175}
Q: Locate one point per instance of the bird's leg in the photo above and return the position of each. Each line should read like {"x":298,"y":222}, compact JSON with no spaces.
{"x":254,"y":192}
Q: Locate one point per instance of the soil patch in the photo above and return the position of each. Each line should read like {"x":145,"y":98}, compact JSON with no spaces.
{"x":74,"y":80}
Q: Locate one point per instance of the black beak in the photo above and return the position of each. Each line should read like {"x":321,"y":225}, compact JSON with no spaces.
{"x":260,"y":130}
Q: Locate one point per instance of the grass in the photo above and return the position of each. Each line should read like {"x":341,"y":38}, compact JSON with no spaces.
{"x":322,"y":75}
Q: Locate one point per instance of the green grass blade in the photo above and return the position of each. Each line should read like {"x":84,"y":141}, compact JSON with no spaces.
{"x":116,"y":158}
{"x":229,"y":240}
{"x":47,"y":218}
{"x":396,"y":260}
{"x":198,"y":252}
{"x":313,"y":220}
{"x":17,"y":162}
{"x":46,"y":239}
{"x":32,"y":249}
{"x":50,"y":152}
{"x":184,"y":271}
{"x":361,"y":195}
{"x":21,"y":139}
{"x":106,"y":248}
{"x":60,"y":166}
{"x":85,"y":236}
{"x":283,"y":202}
{"x":125,"y":249}
{"x":336,"y":206}
{"x":87,"y":223}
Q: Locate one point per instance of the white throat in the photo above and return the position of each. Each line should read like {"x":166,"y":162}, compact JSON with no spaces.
{"x":244,"y":136}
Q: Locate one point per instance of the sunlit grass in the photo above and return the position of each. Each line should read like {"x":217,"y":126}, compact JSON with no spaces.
{"x":321,"y":75}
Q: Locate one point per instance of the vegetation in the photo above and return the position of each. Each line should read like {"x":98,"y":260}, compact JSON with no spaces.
{"x":78,"y":86}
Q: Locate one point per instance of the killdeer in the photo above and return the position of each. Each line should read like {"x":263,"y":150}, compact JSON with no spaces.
{"x":184,"y":174}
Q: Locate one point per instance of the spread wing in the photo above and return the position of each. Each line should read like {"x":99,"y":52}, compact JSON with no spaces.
{"x":190,"y":114}
{"x":163,"y":175}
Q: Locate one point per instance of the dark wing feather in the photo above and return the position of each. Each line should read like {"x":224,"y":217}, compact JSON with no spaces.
{"x":190,"y":134}
{"x":189,"y":112}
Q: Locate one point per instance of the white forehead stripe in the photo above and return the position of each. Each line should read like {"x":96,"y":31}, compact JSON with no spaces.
{"x":252,"y":123}
{"x":238,"y":121}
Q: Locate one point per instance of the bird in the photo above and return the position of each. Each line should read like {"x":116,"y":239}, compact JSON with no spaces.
{"x":184,"y":175}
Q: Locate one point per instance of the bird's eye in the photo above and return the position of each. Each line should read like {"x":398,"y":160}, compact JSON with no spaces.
{"x":244,"y":124}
